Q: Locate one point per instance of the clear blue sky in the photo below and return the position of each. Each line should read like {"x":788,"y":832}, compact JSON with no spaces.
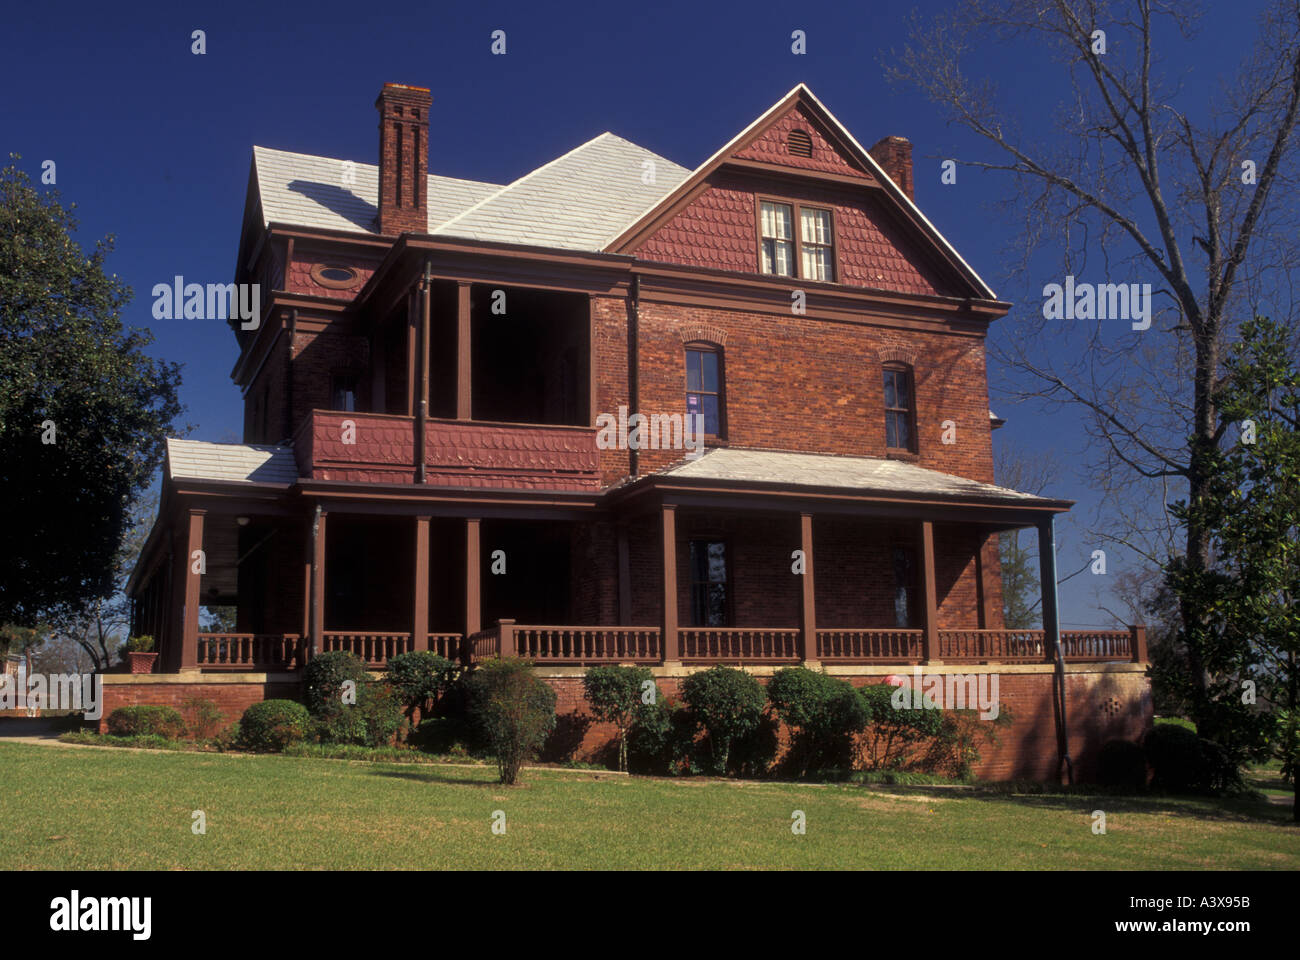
{"x":154,"y":143}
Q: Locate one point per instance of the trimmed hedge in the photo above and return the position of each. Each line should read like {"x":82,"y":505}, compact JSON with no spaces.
{"x":729,"y":704}
{"x":420,"y":679}
{"x":1122,"y":763}
{"x":325,"y":675}
{"x":374,"y":720}
{"x":147,"y":721}
{"x":274,"y":724}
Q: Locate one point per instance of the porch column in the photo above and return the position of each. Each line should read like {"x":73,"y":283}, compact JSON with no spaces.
{"x":412,"y":352}
{"x":808,"y":606}
{"x":317,"y":627}
{"x":930,"y":603}
{"x":464,"y":357}
{"x":189,"y":633}
{"x":420,"y":613}
{"x":668,"y":619}
{"x":473,"y":595}
{"x":1047,"y":584}
{"x":593,"y":388}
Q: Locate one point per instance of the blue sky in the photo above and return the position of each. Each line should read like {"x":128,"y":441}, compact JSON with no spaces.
{"x":154,"y":143}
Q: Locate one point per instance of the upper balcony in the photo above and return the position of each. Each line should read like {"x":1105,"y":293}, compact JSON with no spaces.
{"x":381,"y":448}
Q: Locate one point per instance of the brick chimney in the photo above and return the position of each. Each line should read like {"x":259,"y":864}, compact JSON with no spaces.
{"x":895,"y":155}
{"x":403,"y":159}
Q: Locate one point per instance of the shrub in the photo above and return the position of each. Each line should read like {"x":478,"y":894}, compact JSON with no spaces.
{"x":146,"y":721}
{"x":823,"y":713}
{"x":1122,"y":763}
{"x":325,"y":675}
{"x":420,"y":678}
{"x":202,"y":718}
{"x":513,"y":710}
{"x":661,"y":739}
{"x":615,"y":695}
{"x":895,"y":729}
{"x":141,"y":644}
{"x":1182,"y":762}
{"x":728,"y":703}
{"x":373,"y":720}
{"x":274,"y":725}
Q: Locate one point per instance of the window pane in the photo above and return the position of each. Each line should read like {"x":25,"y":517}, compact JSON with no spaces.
{"x":777,"y":220}
{"x":699,"y":561}
{"x":816,"y":225}
{"x":904,"y":398}
{"x":891,"y":430}
{"x":902,"y":588}
{"x":891,"y":395}
{"x":816,"y":263}
{"x":717,"y":605}
{"x":709,"y":367}
{"x":784,"y":251}
{"x":692,"y":369}
{"x":717,"y":562}
{"x":693,"y":403}
{"x":904,"y":432}
{"x":712,"y":421}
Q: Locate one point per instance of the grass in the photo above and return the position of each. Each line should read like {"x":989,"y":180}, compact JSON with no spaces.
{"x":69,"y":807}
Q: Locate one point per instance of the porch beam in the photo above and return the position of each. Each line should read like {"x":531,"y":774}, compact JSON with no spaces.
{"x":929,"y":596}
{"x":420,"y":613}
{"x":473,"y":593}
{"x":464,"y":356}
{"x":808,"y":606}
{"x":668,"y":618}
{"x":412,"y":352}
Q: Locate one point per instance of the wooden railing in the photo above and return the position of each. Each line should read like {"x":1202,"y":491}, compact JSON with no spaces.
{"x":374,"y":648}
{"x":483,"y":645}
{"x":1097,"y":645}
{"x":739,"y":644}
{"x":1001,"y":646}
{"x":447,"y":644}
{"x":870,"y":646}
{"x":251,"y":651}
{"x":582,"y":645}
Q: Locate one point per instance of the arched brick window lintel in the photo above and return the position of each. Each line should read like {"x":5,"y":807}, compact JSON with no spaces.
{"x":710,"y":335}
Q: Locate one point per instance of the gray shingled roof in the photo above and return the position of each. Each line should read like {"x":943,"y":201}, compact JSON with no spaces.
{"x":249,"y":463}
{"x":580,"y":201}
{"x":307,"y":191}
{"x":867,"y":474}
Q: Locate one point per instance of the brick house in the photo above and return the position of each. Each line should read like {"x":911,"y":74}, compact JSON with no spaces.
{"x":616,"y":411}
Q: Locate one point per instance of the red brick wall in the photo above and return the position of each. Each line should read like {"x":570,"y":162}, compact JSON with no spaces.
{"x":232,"y":699}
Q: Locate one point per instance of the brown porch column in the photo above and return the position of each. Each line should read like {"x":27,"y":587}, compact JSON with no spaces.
{"x":808,"y":606}
{"x":464,"y":366}
{"x":189,"y":632}
{"x":668,"y":618}
{"x":317,"y":629}
{"x":420,"y":614}
{"x":1138,"y":641}
{"x":930,"y":603}
{"x":473,"y":595}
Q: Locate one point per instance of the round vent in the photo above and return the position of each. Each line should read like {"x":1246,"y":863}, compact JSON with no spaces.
{"x":334,"y":275}
{"x":799,"y":144}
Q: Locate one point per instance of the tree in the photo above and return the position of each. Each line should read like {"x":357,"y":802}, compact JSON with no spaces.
{"x":1245,"y":620}
{"x":1178,"y":195}
{"x":615,"y":697}
{"x":83,"y":411}
{"x":513,"y":710}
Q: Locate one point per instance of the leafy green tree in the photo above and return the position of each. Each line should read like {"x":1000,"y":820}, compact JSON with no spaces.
{"x":83,"y":411}
{"x":615,"y":697}
{"x":1246,"y":629}
{"x":728,"y":703}
{"x":513,"y":710}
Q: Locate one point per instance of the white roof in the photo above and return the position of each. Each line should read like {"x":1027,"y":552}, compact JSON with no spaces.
{"x":579,"y":201}
{"x":867,"y":474}
{"x":249,"y":463}
{"x":307,"y":191}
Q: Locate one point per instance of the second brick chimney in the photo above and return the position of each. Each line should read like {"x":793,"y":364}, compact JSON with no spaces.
{"x":403,"y":159}
{"x":895,"y":155}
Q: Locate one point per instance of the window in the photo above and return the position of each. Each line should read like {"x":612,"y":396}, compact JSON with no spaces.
{"x":704,"y":387}
{"x":808,"y":253}
{"x":778,"y":238}
{"x":709,"y":583}
{"x":904,"y":568}
{"x":900,"y":412}
{"x":343,"y":392}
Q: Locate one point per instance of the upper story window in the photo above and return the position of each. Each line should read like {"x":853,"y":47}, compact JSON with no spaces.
{"x":343,"y":392}
{"x":811,"y":246}
{"x":710,"y":584}
{"x":704,"y":386}
{"x":900,"y":409}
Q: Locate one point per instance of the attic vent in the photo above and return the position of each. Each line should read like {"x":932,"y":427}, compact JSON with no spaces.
{"x":799,"y":144}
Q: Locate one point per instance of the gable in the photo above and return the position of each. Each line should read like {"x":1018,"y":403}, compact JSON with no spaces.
{"x":772,"y":146}
{"x":718,"y":229}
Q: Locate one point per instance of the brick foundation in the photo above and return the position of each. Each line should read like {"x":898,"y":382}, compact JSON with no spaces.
{"x":232,"y":694}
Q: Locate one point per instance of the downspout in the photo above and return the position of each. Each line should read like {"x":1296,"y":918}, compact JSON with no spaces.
{"x":422,"y":362}
{"x":1052,"y":633}
{"x":633,"y":362}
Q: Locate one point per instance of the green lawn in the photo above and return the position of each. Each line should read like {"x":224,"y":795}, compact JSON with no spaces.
{"x":105,"y":808}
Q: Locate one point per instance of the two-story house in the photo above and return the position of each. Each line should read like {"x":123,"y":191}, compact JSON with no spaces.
{"x":615,"y":411}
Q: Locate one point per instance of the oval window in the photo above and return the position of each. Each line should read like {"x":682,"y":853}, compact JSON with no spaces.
{"x":334,"y":275}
